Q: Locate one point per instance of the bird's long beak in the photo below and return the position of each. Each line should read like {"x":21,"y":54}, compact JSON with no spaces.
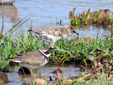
{"x":75,"y":32}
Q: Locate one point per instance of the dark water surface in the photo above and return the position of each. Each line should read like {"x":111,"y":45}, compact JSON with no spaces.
{"x":48,"y":13}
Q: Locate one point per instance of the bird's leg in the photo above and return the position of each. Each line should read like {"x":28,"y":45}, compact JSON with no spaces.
{"x":32,"y":74}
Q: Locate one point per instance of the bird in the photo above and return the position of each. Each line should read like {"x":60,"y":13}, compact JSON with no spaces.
{"x":55,"y":33}
{"x":33,"y":60}
{"x":6,"y":2}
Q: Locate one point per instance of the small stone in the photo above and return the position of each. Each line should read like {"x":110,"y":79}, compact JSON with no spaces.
{"x":4,"y":77}
{"x":40,"y":81}
{"x":2,"y":82}
{"x":57,"y":70}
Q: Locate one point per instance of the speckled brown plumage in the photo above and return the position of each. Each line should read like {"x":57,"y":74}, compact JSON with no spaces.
{"x":55,"y":33}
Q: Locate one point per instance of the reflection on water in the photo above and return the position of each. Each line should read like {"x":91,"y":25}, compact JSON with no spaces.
{"x":67,"y":71}
{"x":9,"y":12}
{"x":92,"y":30}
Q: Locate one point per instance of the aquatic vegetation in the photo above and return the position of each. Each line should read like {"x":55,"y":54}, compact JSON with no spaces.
{"x":79,"y":51}
{"x":72,"y":51}
{"x":101,"y":17}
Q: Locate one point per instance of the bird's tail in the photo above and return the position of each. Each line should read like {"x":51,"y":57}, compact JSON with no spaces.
{"x":29,"y":30}
{"x":36,"y":31}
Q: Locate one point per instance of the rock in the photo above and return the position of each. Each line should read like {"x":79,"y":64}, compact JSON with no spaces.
{"x":4,"y":77}
{"x":2,"y":82}
{"x":40,"y":81}
{"x":91,"y":57}
{"x":33,"y":81}
{"x":57,"y":70}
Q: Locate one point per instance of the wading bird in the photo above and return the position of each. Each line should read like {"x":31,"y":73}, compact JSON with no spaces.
{"x":33,"y":60}
{"x":6,"y":2}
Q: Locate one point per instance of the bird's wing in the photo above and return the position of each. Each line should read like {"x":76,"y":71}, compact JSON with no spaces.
{"x":28,"y":57}
{"x":56,"y":31}
{"x":34,"y":57}
{"x":37,"y":31}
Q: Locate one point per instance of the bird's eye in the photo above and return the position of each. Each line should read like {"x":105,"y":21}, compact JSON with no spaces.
{"x":71,"y":27}
{"x":47,"y":52}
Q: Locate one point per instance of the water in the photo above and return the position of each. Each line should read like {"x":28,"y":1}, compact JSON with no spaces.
{"x":48,"y":13}
{"x":67,"y":71}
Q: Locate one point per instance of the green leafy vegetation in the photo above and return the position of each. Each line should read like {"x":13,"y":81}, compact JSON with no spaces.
{"x":74,"y":50}
{"x":78,"y":49}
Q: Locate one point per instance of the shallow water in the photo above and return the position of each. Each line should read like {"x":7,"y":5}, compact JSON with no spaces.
{"x":48,"y":13}
{"x":67,"y":71}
